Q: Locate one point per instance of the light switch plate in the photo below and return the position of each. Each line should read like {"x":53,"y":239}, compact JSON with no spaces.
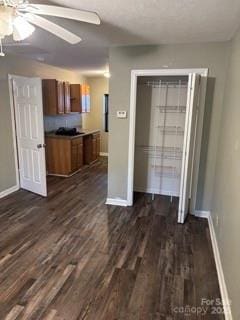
{"x":122,"y":114}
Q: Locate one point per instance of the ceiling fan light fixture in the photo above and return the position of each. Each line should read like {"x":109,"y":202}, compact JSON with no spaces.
{"x":18,"y":18}
{"x":6,"y":21}
{"x":22,"y":29}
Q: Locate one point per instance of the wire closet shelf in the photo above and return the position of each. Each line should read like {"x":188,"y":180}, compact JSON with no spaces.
{"x":164,"y":150}
{"x":168,"y":153}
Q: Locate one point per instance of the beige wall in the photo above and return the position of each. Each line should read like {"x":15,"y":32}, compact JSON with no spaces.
{"x":95,"y":119}
{"x":226,"y":204}
{"x":213,"y":56}
{"x":19,"y":66}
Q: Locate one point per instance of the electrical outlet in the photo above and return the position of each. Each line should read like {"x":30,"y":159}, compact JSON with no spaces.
{"x":122,"y":114}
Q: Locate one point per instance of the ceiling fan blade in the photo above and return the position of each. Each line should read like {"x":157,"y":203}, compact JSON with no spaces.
{"x":53,"y":28}
{"x":68,"y":13}
{"x":22,"y":29}
{"x":16,"y":44}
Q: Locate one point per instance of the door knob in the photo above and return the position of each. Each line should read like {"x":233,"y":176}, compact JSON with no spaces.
{"x":39,"y":146}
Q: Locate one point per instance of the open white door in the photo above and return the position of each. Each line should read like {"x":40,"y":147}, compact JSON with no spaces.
{"x":28,"y":107}
{"x":188,"y":146}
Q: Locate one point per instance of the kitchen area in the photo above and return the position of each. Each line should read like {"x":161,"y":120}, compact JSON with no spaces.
{"x":69,"y":147}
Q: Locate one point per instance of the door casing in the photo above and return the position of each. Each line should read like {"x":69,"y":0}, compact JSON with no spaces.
{"x":203,"y":72}
{"x":11,"y":77}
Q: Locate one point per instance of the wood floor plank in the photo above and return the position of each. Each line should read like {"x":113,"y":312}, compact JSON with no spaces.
{"x":14,"y":313}
{"x":71,"y":257}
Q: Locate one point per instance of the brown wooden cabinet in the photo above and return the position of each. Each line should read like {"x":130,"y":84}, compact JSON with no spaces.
{"x":91,"y":147}
{"x":64,"y":156}
{"x":96,"y":146}
{"x":61,"y":97}
{"x":53,"y":97}
{"x":87,"y":149}
{"x":76,"y":97}
{"x":77,"y":154}
{"x":98,"y":139}
{"x":67,"y":100}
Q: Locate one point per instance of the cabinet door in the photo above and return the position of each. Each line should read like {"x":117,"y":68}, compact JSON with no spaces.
{"x":58,"y":156}
{"x":74,"y":166}
{"x":98,"y":145}
{"x":60,"y":97}
{"x":80,"y":155}
{"x":50,"y":97}
{"x":94,"y":148}
{"x":67,"y":102}
{"x":77,"y":154}
{"x":76,"y":97}
{"x":87,"y":149}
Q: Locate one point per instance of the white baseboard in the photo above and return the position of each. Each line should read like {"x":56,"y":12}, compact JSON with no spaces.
{"x":202,"y":214}
{"x":221,"y":278}
{"x":8,"y":191}
{"x":103,"y":154}
{"x":117,"y":202}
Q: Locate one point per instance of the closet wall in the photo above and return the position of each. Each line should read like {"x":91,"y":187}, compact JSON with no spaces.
{"x":124,"y":59}
{"x":160,"y":121}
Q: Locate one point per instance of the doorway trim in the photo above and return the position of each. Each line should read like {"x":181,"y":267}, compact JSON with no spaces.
{"x":132,"y":121}
{"x":11,"y":77}
{"x":14,"y":132}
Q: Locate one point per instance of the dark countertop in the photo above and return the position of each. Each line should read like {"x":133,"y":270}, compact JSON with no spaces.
{"x":85,"y":132}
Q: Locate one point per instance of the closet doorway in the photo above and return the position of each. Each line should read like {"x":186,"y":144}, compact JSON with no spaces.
{"x":166,"y":119}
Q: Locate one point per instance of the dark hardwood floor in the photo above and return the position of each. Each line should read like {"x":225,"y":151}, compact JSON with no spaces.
{"x":71,"y":257}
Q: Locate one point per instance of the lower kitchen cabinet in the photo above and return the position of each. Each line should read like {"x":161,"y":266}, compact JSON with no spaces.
{"x":77,"y":154}
{"x":91,"y":147}
{"x":88,"y":149}
{"x":64,"y":156}
{"x":96,"y":146}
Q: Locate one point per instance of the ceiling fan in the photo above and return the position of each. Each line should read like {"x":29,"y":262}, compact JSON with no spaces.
{"x":19,"y":18}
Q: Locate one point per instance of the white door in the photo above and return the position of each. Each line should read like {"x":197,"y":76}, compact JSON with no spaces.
{"x":188,"y":146}
{"x":28,"y":106}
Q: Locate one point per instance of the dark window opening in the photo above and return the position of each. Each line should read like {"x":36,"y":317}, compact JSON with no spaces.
{"x":106,"y":109}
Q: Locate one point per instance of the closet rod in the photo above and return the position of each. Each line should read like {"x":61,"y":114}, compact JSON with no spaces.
{"x":171,"y":109}
{"x":161,"y":84}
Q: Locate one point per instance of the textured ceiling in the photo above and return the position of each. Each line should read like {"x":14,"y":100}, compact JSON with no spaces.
{"x":133,"y":22}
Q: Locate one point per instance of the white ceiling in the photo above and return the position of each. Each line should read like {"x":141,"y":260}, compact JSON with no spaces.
{"x":132,"y":22}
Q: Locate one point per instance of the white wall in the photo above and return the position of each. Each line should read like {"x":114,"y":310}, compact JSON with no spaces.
{"x":226,"y":204}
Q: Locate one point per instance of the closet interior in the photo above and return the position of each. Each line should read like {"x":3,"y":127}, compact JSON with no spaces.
{"x":159,"y":134}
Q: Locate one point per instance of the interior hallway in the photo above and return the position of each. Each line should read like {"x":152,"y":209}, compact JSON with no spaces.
{"x":71,"y":257}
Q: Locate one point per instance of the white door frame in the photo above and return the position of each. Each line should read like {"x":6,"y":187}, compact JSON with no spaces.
{"x":14,"y":131}
{"x":132,"y":123}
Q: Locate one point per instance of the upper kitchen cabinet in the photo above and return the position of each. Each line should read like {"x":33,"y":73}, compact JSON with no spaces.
{"x":53,"y":97}
{"x":76,"y":97}
{"x":67,"y":96}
